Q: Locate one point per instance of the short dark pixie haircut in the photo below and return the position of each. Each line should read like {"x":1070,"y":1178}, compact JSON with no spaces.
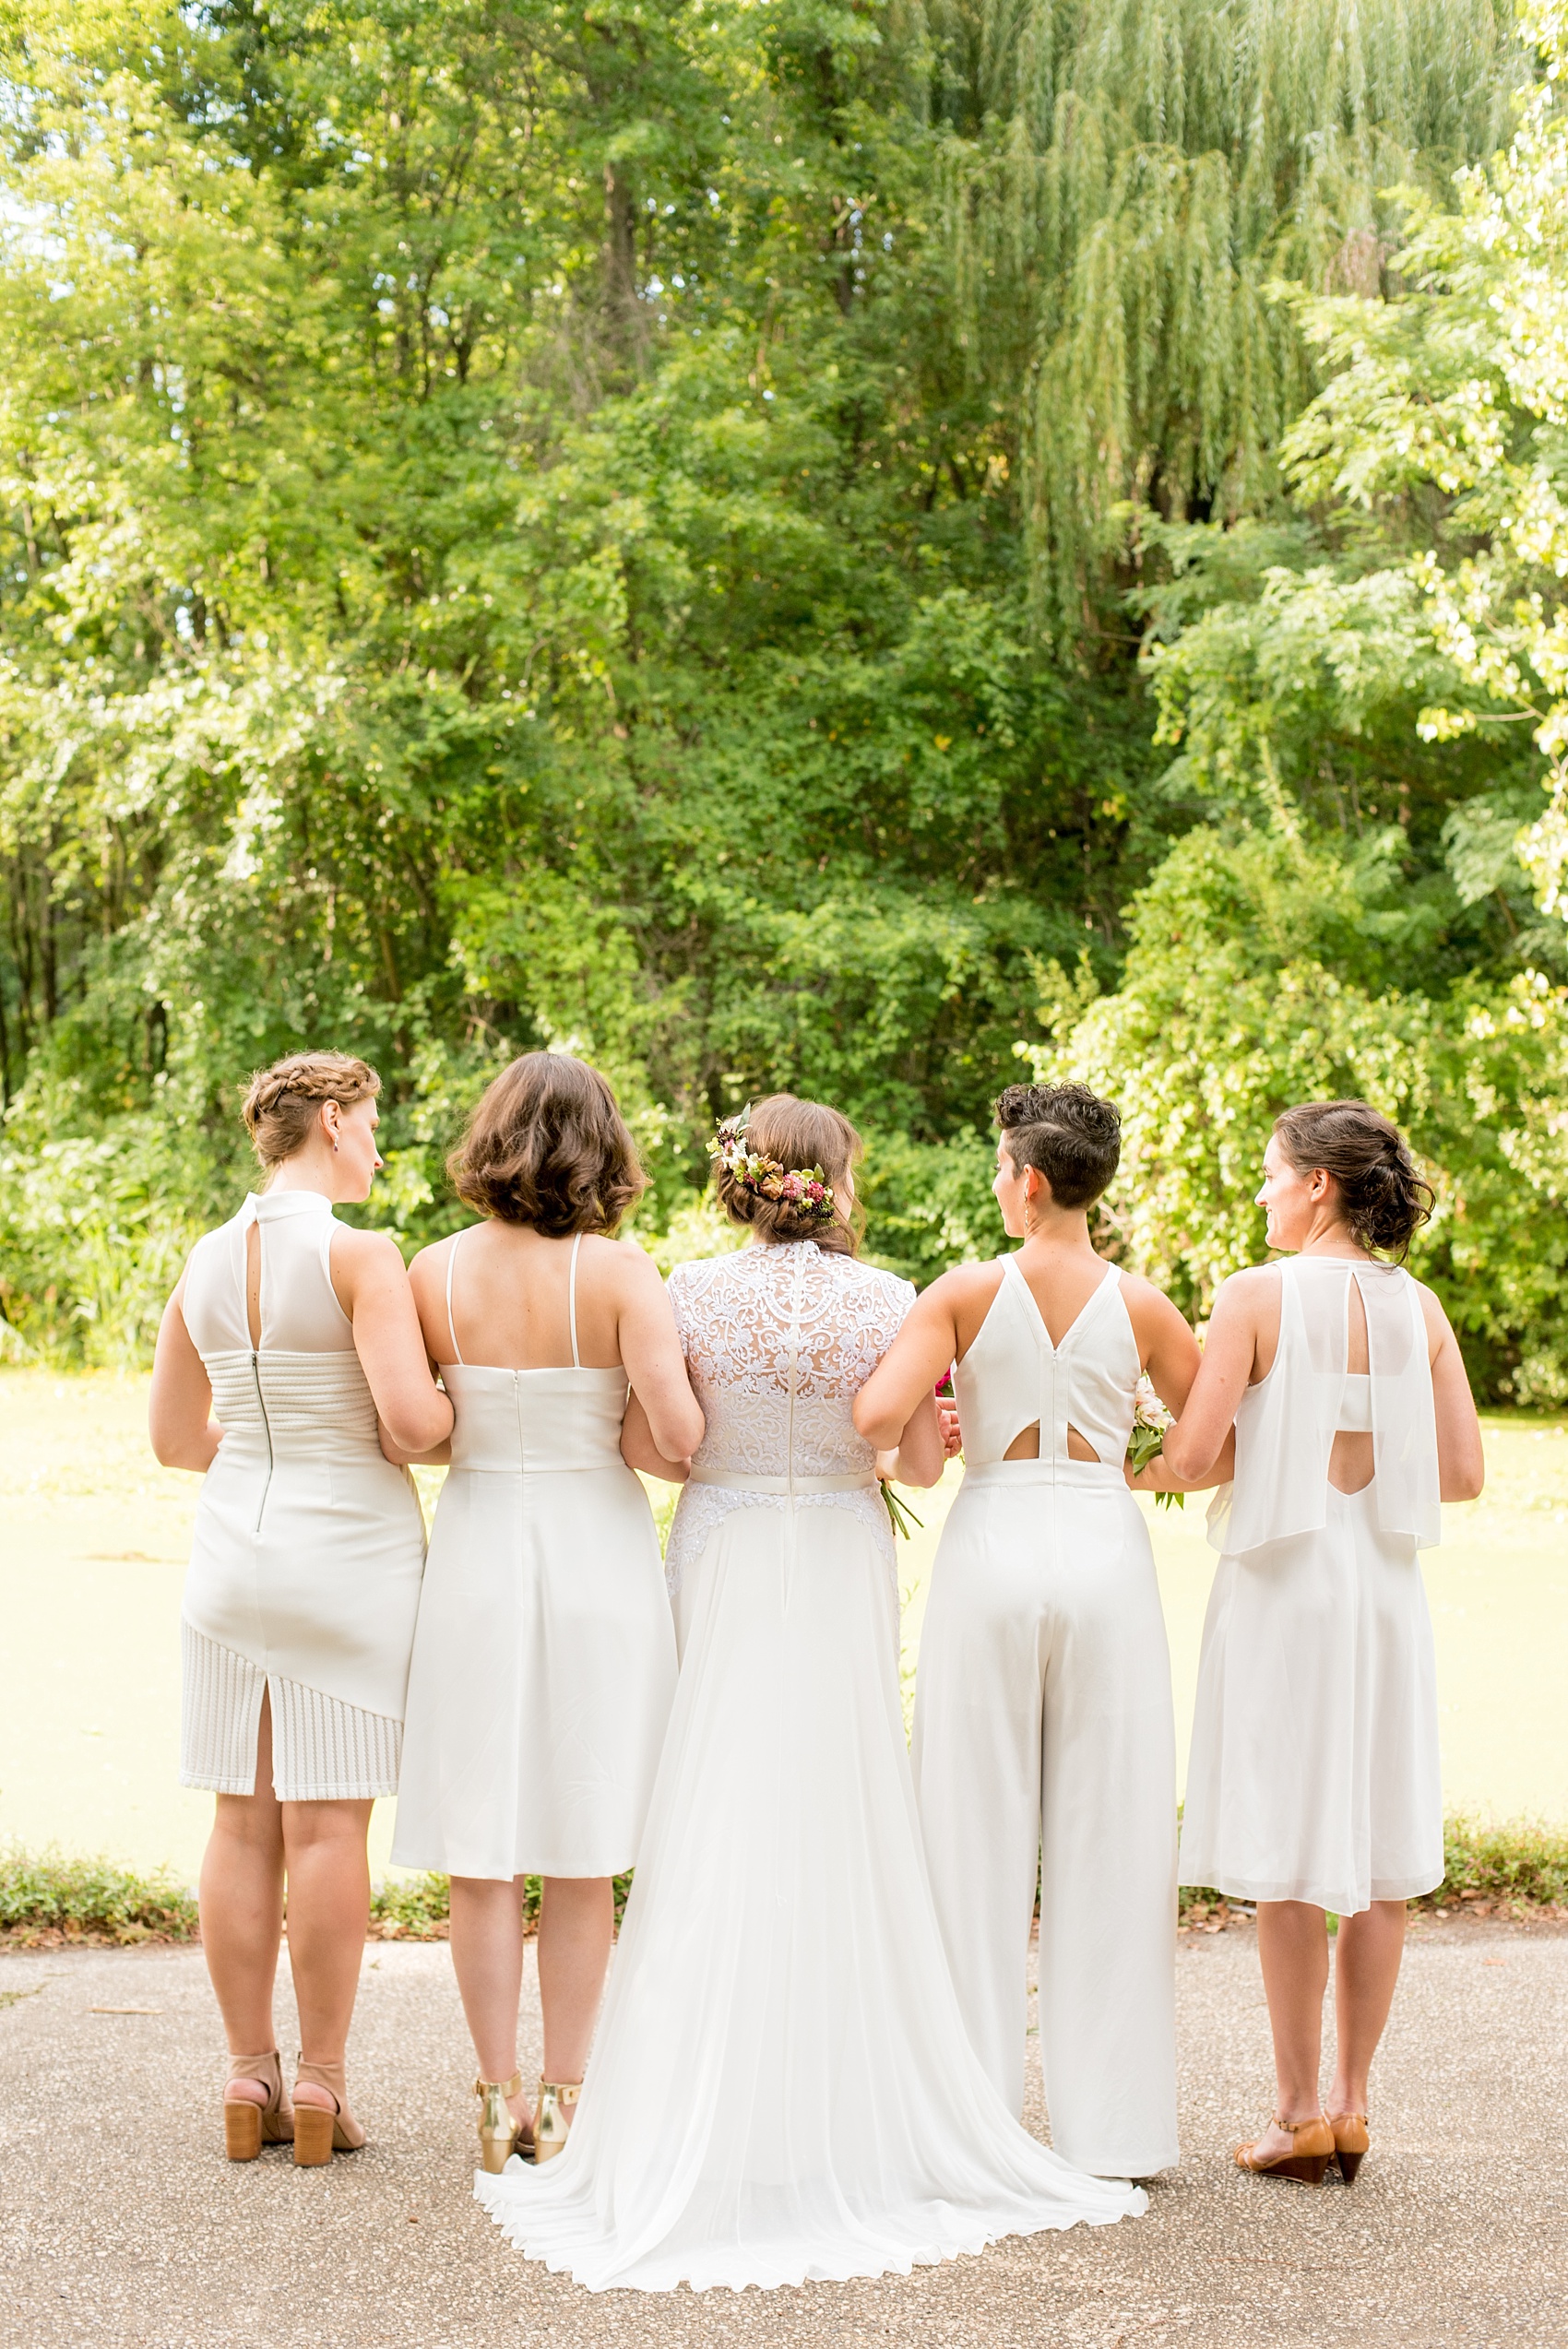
{"x":547,"y":1146}
{"x":1067,"y":1132}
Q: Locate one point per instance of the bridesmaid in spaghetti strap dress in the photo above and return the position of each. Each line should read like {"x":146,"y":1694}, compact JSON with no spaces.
{"x":299,"y":1607}
{"x":1315,"y":1782}
{"x":544,"y":1660}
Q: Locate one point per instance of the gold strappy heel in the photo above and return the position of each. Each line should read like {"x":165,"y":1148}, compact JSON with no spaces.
{"x":318,"y":2134}
{"x":247,"y":2127}
{"x":1311,"y":2150}
{"x":498,"y":2132}
{"x":551,"y":2120}
{"x":1350,"y":2142}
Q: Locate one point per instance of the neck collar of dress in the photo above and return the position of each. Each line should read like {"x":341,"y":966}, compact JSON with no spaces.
{"x":267,"y":1206}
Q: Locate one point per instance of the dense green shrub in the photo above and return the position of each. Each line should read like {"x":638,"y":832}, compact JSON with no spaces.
{"x":44,"y":1895}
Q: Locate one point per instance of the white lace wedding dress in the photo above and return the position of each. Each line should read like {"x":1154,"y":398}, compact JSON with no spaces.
{"x":781,"y":2089}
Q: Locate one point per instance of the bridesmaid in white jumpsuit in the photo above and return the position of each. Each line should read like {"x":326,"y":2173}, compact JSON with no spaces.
{"x":1313,"y":1782}
{"x":1043,"y":1731}
{"x":299,"y":1607}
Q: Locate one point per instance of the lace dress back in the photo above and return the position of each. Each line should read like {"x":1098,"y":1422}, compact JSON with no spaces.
{"x":778,"y":1341}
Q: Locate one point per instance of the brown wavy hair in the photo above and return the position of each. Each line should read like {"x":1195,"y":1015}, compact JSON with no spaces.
{"x":1385,"y":1197}
{"x":282,"y":1103}
{"x":798,"y":1134}
{"x":1066,"y":1133}
{"x":547,"y":1146}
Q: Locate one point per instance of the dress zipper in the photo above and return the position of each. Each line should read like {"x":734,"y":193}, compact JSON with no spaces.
{"x":267,"y":1430}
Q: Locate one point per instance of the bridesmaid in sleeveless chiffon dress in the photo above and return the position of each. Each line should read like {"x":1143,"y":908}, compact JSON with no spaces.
{"x":1314,"y":1781}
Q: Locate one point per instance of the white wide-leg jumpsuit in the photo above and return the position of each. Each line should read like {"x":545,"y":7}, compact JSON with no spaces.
{"x":1044,"y":1737}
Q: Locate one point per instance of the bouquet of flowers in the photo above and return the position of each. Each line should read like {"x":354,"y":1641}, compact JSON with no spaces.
{"x":1150,"y":1420}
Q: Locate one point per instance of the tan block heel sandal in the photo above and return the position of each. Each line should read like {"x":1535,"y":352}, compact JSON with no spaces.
{"x":247,"y":2126}
{"x":318,"y":2134}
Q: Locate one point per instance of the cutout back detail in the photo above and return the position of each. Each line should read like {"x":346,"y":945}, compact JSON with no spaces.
{"x":1025,"y":1444}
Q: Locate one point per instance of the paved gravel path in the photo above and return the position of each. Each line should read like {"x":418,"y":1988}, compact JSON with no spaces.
{"x":121,"y":2223}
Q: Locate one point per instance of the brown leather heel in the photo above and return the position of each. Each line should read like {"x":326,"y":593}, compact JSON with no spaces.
{"x":1350,"y":2142}
{"x":248,"y":2125}
{"x":1311,"y":2150}
{"x":318,"y":2134}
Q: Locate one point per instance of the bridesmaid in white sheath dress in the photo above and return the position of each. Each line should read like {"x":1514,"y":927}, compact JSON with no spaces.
{"x":544,"y":1660}
{"x":1313,"y":1782}
{"x":781,"y":2088}
{"x":299,"y":1607}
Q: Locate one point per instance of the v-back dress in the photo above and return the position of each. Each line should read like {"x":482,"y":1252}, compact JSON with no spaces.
{"x":1045,"y":1743}
{"x":309,"y":1546}
{"x":1315,"y":1773}
{"x":781,"y":2088}
{"x":544,"y":1660}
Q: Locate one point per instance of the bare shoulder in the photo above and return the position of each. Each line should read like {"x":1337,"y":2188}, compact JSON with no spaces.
{"x":625,"y":1263}
{"x":964,"y":1285}
{"x":373,"y":1252}
{"x":430,"y":1264}
{"x":1433,"y":1311}
{"x":1143,"y":1297}
{"x":1246,"y":1292}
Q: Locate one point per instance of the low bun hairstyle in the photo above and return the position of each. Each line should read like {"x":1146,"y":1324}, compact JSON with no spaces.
{"x":547,"y":1146}
{"x":798,"y":1134}
{"x":282,"y":1103}
{"x":1385,"y":1199}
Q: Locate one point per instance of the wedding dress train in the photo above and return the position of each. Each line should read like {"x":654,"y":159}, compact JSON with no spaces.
{"x":781,"y":2088}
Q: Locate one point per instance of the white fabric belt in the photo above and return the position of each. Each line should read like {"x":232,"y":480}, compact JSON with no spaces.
{"x":733,"y":1481}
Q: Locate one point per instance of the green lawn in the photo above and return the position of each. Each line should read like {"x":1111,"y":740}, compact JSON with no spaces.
{"x":96,"y":1536}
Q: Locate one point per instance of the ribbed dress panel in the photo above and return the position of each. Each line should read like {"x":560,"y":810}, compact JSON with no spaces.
{"x":309,"y":1548}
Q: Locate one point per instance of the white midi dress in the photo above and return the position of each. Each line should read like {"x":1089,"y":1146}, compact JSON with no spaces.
{"x":544,"y":1660}
{"x":1315,"y":1773}
{"x":304,"y":1574}
{"x":781,"y":2088}
{"x":1044,"y":1737}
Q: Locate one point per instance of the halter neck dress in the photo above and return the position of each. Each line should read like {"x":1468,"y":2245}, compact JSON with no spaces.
{"x":1044,"y":1737}
{"x":1315,"y":1773}
{"x":544,"y":1658}
{"x":304,"y":1573}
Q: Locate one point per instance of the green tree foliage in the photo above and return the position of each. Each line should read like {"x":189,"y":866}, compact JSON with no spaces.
{"x":1358,"y":700}
{"x":635,"y":526}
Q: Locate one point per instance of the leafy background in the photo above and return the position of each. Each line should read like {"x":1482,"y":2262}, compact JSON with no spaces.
{"x":784,"y":543}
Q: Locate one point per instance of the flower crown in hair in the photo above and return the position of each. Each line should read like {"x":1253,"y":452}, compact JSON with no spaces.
{"x":801,"y":1188}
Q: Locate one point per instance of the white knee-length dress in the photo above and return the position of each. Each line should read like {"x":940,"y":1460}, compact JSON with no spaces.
{"x":305,"y":1572}
{"x":544,"y":1660}
{"x":1315,"y":1773}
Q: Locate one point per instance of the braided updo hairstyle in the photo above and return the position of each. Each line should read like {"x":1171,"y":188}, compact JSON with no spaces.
{"x":1385,"y":1198}
{"x":282,"y":1102}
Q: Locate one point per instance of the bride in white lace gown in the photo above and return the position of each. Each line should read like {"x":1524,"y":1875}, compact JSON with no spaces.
{"x":781,"y":2088}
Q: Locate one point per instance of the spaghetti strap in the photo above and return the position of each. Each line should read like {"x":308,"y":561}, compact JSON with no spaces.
{"x":451,"y":1324}
{"x":572,"y":1300}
